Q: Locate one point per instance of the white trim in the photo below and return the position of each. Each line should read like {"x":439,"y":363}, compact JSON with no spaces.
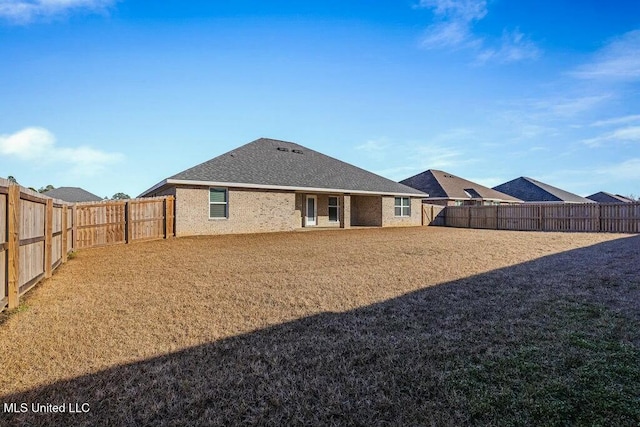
{"x":337,"y":206}
{"x":401,"y":206}
{"x":308,"y":223}
{"x":276,"y":187}
{"x":226,"y":203}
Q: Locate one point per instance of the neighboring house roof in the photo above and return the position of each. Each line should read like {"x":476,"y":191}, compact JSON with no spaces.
{"x":443,"y":185}
{"x":273,"y":164}
{"x":604,"y":197}
{"x":530,"y":190}
{"x":72,"y":195}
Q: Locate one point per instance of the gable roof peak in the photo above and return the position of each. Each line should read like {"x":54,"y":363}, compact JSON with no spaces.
{"x":273,"y":163}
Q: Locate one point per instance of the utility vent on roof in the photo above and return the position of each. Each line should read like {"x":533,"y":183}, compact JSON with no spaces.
{"x":297,"y":151}
{"x":283,"y":149}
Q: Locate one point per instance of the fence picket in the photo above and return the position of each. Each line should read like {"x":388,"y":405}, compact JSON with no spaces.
{"x":582,"y":217}
{"x":37,"y":233}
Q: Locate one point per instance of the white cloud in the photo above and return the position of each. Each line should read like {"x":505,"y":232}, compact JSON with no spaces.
{"x":27,"y":144}
{"x":453,"y":29}
{"x":438,"y":156}
{"x":455,"y":20}
{"x":36,"y":144}
{"x":570,"y":107}
{"x":618,"y":61}
{"x":555,"y":107}
{"x":627,"y":170}
{"x":412,"y":157}
{"x":617,"y":120}
{"x":464,"y":10}
{"x":514,"y":47}
{"x":449,"y":34}
{"x":25,"y":11}
{"x":375,"y":149}
{"x":627,"y":134}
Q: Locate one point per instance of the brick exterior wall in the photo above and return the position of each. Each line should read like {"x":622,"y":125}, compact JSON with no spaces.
{"x":345,"y":212}
{"x":389,"y":219}
{"x":250,"y":211}
{"x":260,"y":211}
{"x":366,"y":211}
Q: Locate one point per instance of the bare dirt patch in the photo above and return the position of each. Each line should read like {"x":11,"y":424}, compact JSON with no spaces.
{"x":328,"y":326}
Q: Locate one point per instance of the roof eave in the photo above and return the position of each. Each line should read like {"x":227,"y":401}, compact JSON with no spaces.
{"x":491,"y":199}
{"x":154,"y":188}
{"x":168,"y":182}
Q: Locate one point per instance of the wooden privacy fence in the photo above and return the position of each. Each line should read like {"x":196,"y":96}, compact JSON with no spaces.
{"x":432,"y":214}
{"x":37,"y":232}
{"x":588,"y":217}
{"x":123,"y":221}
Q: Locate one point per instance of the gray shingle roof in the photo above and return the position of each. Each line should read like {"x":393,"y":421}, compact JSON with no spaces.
{"x":72,"y":195}
{"x":530,"y":190}
{"x":441,"y":184}
{"x":274,"y":163}
{"x":604,"y":197}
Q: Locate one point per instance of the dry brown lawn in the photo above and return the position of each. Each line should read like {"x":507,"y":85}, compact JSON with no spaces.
{"x":372,"y":326}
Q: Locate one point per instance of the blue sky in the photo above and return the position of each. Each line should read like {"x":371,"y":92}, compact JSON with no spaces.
{"x":114,"y":96}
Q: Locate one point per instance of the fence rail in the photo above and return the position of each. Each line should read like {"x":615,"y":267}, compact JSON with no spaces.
{"x":587,"y":217}
{"x":37,"y":232}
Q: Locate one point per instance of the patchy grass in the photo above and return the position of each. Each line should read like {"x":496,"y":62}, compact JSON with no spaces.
{"x":420,"y":326}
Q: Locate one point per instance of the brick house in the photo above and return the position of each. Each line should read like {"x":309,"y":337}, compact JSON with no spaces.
{"x":270,"y":185}
{"x":604,"y":197}
{"x":534,"y":191}
{"x":447,"y":189}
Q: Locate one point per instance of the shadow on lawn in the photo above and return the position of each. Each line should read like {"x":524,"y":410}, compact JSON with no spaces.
{"x":551,"y":341}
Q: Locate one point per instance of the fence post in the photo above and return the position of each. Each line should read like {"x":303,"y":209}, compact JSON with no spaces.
{"x":600,"y":227}
{"x":48,"y":237}
{"x":65,"y":235}
{"x":168,"y":217}
{"x":541,"y":216}
{"x":469,"y":209}
{"x":13,"y":245}
{"x":496,"y":217}
{"x":128,"y":222}
{"x":74,"y":228}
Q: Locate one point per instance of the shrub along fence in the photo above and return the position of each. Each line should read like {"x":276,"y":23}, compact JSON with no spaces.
{"x":37,"y":232}
{"x":587,"y":217}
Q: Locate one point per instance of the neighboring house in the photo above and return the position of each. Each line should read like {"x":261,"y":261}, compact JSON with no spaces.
{"x":450,"y":190}
{"x":72,"y":195}
{"x":532,"y":191}
{"x":604,"y":197}
{"x":270,"y":185}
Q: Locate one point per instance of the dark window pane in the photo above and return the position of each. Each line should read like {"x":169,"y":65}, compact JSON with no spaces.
{"x":217,"y":211}
{"x":398,"y":211}
{"x":219,"y":196}
{"x":333,"y":213}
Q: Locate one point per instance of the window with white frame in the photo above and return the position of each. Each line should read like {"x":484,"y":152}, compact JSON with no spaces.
{"x":218,"y":203}
{"x":403,"y":206}
{"x":334,"y":209}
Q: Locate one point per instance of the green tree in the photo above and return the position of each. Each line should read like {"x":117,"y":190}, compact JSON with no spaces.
{"x":12,"y":179}
{"x":45,"y":189}
{"x":120,"y":196}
